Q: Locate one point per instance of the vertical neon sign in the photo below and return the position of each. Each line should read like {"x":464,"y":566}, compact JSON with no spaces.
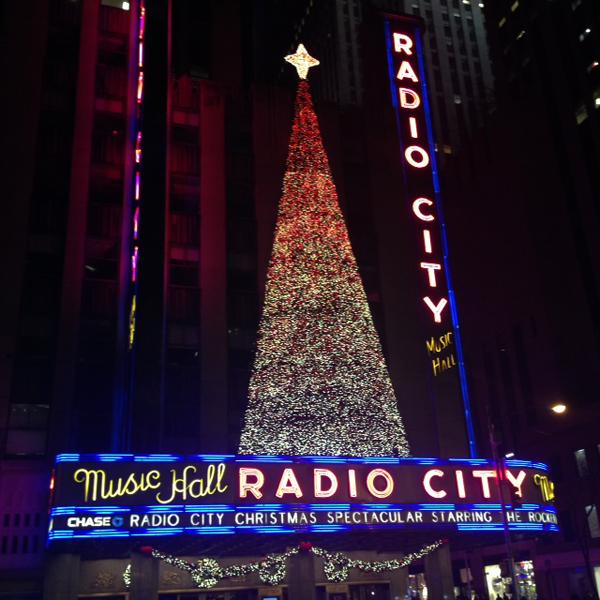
{"x":135,"y":226}
{"x":410,"y":100}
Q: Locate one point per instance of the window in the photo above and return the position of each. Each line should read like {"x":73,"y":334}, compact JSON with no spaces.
{"x":591,"y":513}
{"x":581,"y":462}
{"x":581,"y":114}
{"x":566,"y":525}
{"x":21,"y":442}
{"x":184,"y":304}
{"x":184,"y":229}
{"x":183,"y":273}
{"x":28,"y":416}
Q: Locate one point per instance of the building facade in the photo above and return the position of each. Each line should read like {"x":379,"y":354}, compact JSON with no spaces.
{"x":132,"y":303}
{"x":529,"y":182}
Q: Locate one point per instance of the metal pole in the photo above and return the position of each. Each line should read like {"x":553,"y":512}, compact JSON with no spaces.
{"x":499,"y":462}
{"x":468,"y":576}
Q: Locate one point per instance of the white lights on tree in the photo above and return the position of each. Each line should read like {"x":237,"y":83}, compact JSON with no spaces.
{"x":320,"y":385}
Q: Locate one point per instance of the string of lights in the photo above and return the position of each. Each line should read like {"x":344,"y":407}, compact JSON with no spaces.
{"x":135,"y":250}
{"x":320,"y":385}
{"x":207,"y":572}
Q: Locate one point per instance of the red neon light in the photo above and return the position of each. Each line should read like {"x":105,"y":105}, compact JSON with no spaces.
{"x":427,"y":484}
{"x":252,"y":487}
{"x":140,"y":87}
{"x":460,"y":484}
{"x":318,"y":475}
{"x":485,"y":475}
{"x":414,"y":131}
{"x":141,"y":54}
{"x":288,"y":484}
{"x":142,"y":21}
{"x":419,"y":163}
{"x":389,"y":483}
{"x":436,"y":309}
{"x":137,"y":186}
{"x":403,"y":43}
{"x":516,"y":482}
{"x":409,"y":98}
{"x":427,"y":241}
{"x":138,"y":147}
{"x":352,"y":483}
{"x":431,"y":269}
{"x":406,"y":72}
{"x":134,"y":262}
{"x":416,"y":206}
{"x":136,"y":222}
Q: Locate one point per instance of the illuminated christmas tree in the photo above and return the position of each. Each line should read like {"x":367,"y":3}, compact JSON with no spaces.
{"x":320,"y":385}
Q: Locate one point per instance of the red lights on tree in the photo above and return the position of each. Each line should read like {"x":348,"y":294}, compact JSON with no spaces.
{"x":320,"y":385}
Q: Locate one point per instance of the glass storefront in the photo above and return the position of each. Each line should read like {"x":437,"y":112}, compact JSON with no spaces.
{"x":417,"y":590}
{"x":247,"y":594}
{"x":499,"y":584}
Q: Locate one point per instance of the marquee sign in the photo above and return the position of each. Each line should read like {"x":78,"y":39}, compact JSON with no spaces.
{"x":125,"y":495}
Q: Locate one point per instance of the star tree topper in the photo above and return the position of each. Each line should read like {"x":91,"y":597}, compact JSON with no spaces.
{"x":302,"y":60}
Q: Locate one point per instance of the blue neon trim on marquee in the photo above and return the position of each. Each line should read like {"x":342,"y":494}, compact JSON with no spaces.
{"x":228,"y":458}
{"x":462,"y":374}
{"x":319,"y":528}
{"x":179,"y":509}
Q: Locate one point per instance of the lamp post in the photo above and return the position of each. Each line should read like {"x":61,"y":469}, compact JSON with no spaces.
{"x":560,"y":408}
{"x":499,"y":462}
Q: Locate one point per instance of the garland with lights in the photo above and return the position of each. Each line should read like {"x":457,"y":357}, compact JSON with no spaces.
{"x":320,"y":384}
{"x":337,"y":565}
{"x":127,"y":576}
{"x":207,"y":572}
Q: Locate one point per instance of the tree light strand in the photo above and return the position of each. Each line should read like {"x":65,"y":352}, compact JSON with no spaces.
{"x":320,"y":385}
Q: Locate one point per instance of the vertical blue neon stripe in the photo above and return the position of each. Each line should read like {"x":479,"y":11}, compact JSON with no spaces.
{"x":462,"y":374}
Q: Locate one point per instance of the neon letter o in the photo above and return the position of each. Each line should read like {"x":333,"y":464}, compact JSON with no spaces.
{"x":423,"y":160}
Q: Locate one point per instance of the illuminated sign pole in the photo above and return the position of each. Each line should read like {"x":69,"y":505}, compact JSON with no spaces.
{"x":413,"y":119}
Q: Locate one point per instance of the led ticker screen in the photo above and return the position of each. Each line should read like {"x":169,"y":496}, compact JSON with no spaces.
{"x":124,"y":495}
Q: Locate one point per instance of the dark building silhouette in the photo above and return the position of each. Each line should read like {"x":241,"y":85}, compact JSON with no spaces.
{"x":526,"y":203}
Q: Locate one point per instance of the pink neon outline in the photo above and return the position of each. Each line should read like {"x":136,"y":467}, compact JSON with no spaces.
{"x":140,"y":87}
{"x":138,"y":147}
{"x":137,"y":185}
{"x":134,"y":260}
{"x":427,"y":241}
{"x":142,"y":21}
{"x":414,"y":131}
{"x":136,"y":222}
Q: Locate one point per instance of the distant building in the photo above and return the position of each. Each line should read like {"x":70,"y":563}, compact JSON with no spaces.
{"x":528,"y":187}
{"x":456,"y":54}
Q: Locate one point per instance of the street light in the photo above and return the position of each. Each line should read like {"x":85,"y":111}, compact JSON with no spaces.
{"x":559,"y":408}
